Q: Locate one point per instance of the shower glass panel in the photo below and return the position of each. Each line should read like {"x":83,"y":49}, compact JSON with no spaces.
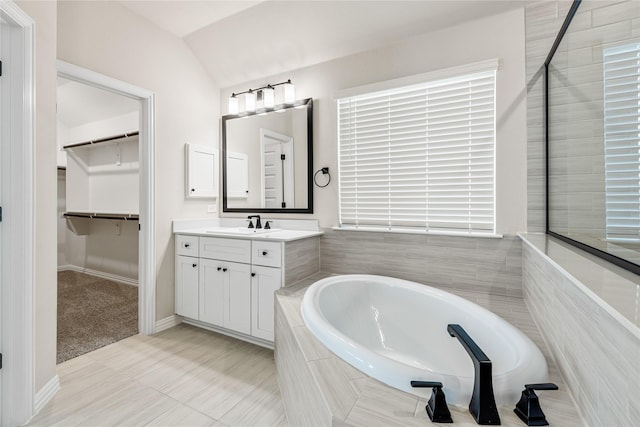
{"x":593,"y":131}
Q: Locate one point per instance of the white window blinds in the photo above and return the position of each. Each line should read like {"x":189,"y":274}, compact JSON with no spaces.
{"x":622,"y":141}
{"x":420,"y":156}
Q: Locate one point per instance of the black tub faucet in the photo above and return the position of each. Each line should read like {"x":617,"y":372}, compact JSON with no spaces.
{"x":483,"y":404}
{"x":437,"y":406}
{"x":258,"y":223}
{"x":528,"y":408}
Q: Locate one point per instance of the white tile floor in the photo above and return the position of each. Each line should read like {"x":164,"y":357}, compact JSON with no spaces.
{"x":184,"y":376}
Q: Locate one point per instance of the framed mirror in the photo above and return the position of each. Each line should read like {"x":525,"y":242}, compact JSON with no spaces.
{"x":267,"y":160}
{"x":592,"y":122}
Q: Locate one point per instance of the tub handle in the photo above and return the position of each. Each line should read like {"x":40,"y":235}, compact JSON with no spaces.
{"x":437,"y":406}
{"x":528,"y":408}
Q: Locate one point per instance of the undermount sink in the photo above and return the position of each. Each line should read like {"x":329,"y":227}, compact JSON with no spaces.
{"x":242,"y":231}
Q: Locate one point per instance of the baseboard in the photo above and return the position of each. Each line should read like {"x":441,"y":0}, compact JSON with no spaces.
{"x":100,"y":274}
{"x":45,"y":394}
{"x":168,"y":322}
{"x":229,"y":333}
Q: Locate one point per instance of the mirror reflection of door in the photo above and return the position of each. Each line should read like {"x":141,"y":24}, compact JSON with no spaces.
{"x":276,"y":154}
{"x":238,"y":175}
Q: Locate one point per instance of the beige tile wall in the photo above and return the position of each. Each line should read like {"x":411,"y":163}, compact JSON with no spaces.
{"x":598,"y":357}
{"x":542,"y":23}
{"x":301,"y":259}
{"x":491,"y":265}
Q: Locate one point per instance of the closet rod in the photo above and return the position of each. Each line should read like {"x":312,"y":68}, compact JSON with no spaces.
{"x":101,"y":216}
{"x":98,"y":141}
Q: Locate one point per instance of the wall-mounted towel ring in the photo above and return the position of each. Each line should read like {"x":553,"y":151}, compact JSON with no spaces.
{"x":325,"y":171}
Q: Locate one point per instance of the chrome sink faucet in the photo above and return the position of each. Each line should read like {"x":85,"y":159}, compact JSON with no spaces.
{"x":258,"y":223}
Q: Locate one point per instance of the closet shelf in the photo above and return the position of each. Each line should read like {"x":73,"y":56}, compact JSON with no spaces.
{"x":98,"y":215}
{"x":98,"y":141}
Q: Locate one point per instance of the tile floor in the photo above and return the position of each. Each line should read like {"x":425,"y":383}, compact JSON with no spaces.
{"x":184,"y":376}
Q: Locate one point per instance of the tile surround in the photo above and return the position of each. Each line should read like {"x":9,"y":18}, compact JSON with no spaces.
{"x":490,"y":265}
{"x":596,"y":347}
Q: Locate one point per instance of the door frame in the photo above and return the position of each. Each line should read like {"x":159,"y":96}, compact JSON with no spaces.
{"x":146,"y":138}
{"x":17,"y":279}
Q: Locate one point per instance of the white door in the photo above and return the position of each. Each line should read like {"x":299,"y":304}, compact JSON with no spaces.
{"x":277,"y":169}
{"x":17,"y":109}
{"x":211,"y":291}
{"x":237,"y":175}
{"x":265,"y":281}
{"x":187,"y":286}
{"x":237,"y":297}
{"x":202,"y":171}
{"x":3,"y":139}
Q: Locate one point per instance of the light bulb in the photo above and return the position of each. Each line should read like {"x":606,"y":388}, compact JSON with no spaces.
{"x":250,"y":101}
{"x":233,"y":105}
{"x":289,"y":92}
{"x":269,"y":97}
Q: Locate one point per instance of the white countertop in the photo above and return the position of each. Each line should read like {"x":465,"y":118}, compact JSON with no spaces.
{"x":278,"y":236}
{"x":285,"y":230}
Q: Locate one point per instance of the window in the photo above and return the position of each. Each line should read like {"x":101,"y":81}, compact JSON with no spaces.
{"x":622,"y":141}
{"x":420,"y":156}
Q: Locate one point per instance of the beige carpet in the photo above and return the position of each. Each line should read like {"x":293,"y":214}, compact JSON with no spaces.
{"x":92,"y":313}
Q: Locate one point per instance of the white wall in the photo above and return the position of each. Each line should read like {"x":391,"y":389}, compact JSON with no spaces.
{"x":500,"y":36}
{"x":107,"y":38}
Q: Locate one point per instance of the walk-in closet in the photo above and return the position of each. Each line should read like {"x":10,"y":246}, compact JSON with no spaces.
{"x":98,"y":207}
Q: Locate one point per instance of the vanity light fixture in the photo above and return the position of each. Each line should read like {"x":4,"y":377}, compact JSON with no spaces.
{"x":250,"y":101}
{"x":266,"y":94}
{"x":233,"y":104}
{"x":289,"y":92}
{"x":269,"y":97}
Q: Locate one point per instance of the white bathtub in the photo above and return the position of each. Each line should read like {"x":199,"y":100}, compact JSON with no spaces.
{"x":396,"y":331}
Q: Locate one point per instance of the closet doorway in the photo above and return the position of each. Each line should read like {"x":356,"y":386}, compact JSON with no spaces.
{"x":105,"y":186}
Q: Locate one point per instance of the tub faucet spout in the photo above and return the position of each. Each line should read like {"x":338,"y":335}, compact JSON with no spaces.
{"x":483,"y":404}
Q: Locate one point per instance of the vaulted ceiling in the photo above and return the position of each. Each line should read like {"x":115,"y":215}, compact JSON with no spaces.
{"x":239,"y":41}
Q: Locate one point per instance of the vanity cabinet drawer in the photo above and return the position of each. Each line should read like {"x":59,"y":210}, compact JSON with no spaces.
{"x":234,"y":250}
{"x":268,"y":254}
{"x":186,"y":245}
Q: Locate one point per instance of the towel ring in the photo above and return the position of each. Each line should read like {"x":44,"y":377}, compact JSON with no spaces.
{"x":325,"y":171}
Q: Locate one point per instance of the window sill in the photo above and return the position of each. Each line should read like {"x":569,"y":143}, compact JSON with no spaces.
{"x":424,"y":232}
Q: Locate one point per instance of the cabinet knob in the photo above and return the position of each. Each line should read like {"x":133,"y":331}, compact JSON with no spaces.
{"x":195,"y":265}
{"x":186,"y":245}
{"x":219,"y":268}
{"x":224,"y":270}
{"x":264,"y":253}
{"x":253,"y":274}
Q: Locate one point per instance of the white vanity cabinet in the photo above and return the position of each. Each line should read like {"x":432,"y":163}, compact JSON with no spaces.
{"x":225,"y":283}
{"x":264,"y":282}
{"x":187,"y":268}
{"x":228,"y":285}
{"x":225,"y":294}
{"x":187,"y":286}
{"x":266,"y":278}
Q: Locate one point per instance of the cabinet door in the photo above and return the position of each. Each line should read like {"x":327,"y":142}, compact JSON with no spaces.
{"x":237,"y":297}
{"x":264,"y":282}
{"x":211,"y":291}
{"x":187,"y":286}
